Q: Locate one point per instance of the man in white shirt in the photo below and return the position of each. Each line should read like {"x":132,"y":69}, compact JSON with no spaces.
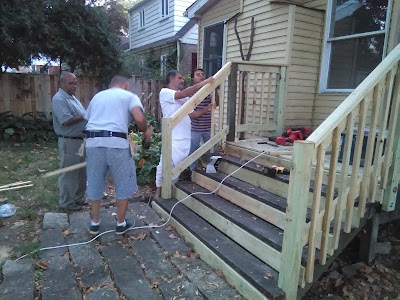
{"x":171,"y":99}
{"x":107,"y":148}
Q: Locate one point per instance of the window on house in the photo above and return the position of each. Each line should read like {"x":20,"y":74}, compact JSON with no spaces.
{"x":141,"y":66}
{"x":212,"y":48}
{"x":163,"y":64}
{"x":141,"y":19}
{"x":164,"y":8}
{"x":355,"y":42}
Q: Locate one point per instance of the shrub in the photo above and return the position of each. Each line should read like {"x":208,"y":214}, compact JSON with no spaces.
{"x":146,"y":160}
{"x":26,"y":128}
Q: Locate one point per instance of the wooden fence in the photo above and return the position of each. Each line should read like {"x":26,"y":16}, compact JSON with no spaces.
{"x":23,"y":93}
{"x":148,"y":91}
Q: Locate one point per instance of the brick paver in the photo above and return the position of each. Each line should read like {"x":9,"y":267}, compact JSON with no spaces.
{"x":144,"y":264}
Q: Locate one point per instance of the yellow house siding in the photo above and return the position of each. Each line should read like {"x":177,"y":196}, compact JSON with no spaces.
{"x":220,"y":12}
{"x":324,"y":104}
{"x":271,"y":32}
{"x":307,"y":35}
{"x":318,"y":4}
{"x":270,"y":45}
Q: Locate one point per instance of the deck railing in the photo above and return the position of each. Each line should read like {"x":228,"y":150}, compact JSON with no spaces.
{"x":368,"y":171}
{"x":255,"y":93}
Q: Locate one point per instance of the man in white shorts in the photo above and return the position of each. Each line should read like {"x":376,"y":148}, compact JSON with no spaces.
{"x":107,"y":148}
{"x":171,"y":99}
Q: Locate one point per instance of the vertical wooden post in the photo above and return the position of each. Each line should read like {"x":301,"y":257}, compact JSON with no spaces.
{"x":231,"y":105}
{"x":292,"y":248}
{"x":368,"y":239}
{"x":393,"y":176}
{"x":166,"y":152}
{"x":280,"y":96}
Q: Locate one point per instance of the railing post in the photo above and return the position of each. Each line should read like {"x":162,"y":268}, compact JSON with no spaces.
{"x":391,"y":190}
{"x":298,"y":194}
{"x":280,"y":96}
{"x":166,"y":152}
{"x":231,"y":105}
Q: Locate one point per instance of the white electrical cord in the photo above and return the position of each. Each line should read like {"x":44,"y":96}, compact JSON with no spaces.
{"x":149,"y":226}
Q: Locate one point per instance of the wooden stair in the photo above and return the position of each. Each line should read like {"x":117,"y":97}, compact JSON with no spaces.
{"x":239,"y":228}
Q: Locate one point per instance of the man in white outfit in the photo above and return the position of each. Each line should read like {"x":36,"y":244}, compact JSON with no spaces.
{"x":171,"y":99}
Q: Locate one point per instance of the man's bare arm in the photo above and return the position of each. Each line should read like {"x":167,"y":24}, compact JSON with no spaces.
{"x":198,"y":113}
{"x":74,"y":120}
{"x":193,"y":89}
{"x":141,"y":122}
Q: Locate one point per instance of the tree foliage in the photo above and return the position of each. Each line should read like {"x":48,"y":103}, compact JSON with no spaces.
{"x":20,"y":31}
{"x":82,"y":34}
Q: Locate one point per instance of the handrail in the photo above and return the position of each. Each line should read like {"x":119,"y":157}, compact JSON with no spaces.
{"x":199,"y":96}
{"x":340,"y":113}
{"x":258,"y":63}
{"x":363,"y":161}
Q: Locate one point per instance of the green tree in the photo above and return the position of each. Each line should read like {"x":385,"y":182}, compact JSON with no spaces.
{"x":82,"y":34}
{"x":20,"y":31}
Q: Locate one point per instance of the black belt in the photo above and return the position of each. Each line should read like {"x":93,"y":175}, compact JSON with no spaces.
{"x":72,"y":137}
{"x":105,"y":133}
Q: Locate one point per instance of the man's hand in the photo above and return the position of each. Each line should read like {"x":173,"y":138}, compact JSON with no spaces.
{"x":148,"y":133}
{"x":209,"y":80}
{"x":146,"y":138}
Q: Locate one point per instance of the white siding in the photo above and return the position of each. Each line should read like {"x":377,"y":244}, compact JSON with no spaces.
{"x":156,"y":28}
{"x":191,"y":36}
{"x":179,"y":8}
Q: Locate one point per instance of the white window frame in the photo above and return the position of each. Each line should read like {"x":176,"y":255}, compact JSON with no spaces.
{"x":327,"y":47}
{"x":141,"y":19}
{"x":163,"y":64}
{"x":164,"y":9}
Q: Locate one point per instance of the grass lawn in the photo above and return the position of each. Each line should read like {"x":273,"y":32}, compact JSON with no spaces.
{"x":24,"y":162}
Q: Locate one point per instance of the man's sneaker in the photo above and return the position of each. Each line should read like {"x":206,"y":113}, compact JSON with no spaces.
{"x":94,"y":229}
{"x":123,"y":229}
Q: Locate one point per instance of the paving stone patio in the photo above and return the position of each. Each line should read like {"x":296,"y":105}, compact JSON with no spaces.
{"x":143,"y":264}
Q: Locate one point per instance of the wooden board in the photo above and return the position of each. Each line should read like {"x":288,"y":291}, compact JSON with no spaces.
{"x":222,"y":253}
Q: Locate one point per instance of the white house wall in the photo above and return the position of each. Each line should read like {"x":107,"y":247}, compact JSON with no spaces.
{"x":156,"y":28}
{"x":191,"y":36}
{"x":179,"y":8}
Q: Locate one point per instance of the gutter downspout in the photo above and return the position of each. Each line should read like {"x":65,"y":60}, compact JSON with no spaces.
{"x":178,"y":54}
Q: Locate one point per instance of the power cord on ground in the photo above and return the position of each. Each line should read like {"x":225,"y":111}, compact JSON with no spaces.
{"x":149,"y":226}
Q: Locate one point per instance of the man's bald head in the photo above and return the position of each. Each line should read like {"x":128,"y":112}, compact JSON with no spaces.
{"x":119,"y":81}
{"x":68,"y":82}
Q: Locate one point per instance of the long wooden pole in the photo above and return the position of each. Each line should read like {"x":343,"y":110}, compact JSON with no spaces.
{"x":15,"y":184}
{"x":64,"y":170}
{"x":15,"y":187}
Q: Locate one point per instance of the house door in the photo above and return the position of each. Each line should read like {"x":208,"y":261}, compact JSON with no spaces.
{"x":212,"y":48}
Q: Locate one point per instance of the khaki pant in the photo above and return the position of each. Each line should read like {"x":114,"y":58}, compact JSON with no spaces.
{"x":72,"y":185}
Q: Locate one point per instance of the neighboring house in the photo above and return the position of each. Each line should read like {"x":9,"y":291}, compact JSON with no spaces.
{"x":158,"y":28}
{"x":329,"y":46}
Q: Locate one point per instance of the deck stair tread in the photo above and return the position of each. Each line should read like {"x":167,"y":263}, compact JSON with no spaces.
{"x":258,"y":227}
{"x":261,"y":229}
{"x":252,"y":191}
{"x":260,"y":275}
{"x":248,"y":189}
{"x":256,"y":168}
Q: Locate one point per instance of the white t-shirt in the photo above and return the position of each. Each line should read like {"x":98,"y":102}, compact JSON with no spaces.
{"x":110,"y":110}
{"x":169,"y":105}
